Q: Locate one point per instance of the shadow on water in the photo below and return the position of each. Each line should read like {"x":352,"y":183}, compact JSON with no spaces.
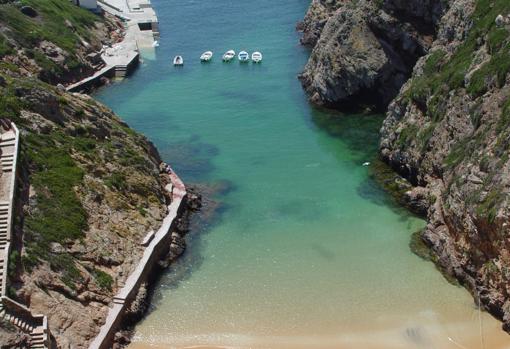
{"x":302,"y":209}
{"x":360,"y":134}
{"x":190,"y":158}
{"x":370,"y":190}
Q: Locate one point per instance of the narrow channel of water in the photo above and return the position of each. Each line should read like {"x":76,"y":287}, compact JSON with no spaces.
{"x":307,"y":251}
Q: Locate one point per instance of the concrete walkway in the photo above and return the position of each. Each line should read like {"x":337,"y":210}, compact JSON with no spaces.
{"x":142,"y":30}
{"x":140,"y":17}
{"x":151,"y":255}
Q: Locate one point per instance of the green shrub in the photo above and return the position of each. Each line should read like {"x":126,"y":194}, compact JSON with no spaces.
{"x":103,"y":280}
{"x":50,"y":24}
{"x":116,"y":181}
{"x":59,"y":216}
{"x":488,"y":209}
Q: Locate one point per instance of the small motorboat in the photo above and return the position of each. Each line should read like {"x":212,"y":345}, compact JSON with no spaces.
{"x":206,"y":56}
{"x":229,"y":55}
{"x":243,"y":56}
{"x":178,"y":61}
{"x":256,"y":57}
{"x":155,"y":44}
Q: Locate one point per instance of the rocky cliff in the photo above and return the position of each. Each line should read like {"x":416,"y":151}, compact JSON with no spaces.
{"x":444,"y":65}
{"x":89,"y":187}
{"x":448,"y":133}
{"x":364,"y":51}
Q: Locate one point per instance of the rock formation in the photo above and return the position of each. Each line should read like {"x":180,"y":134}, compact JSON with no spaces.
{"x":447,"y":129}
{"x":447,"y":133}
{"x":364,"y":51}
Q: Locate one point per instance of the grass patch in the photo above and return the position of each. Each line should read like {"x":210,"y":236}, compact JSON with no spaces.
{"x":488,"y":209}
{"x":5,"y":48}
{"x":441,"y":76}
{"x":103,"y":280}
{"x":407,"y":135}
{"x":59,"y":216}
{"x":50,"y":24}
{"x":116,"y":181}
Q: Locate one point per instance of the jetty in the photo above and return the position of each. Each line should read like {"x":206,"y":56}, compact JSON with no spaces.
{"x":119,"y":61}
{"x":141,"y":32}
{"x":139,"y":16}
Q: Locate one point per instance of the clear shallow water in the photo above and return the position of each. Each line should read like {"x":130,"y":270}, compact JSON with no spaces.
{"x":307,"y":251}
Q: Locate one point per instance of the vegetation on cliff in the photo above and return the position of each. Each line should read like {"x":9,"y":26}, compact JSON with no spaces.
{"x":86,"y":181}
{"x":447,"y":128}
{"x":447,"y":132}
{"x":57,"y":44}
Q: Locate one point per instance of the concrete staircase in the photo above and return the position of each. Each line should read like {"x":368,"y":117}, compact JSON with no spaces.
{"x":11,"y":311}
{"x":36,"y":326}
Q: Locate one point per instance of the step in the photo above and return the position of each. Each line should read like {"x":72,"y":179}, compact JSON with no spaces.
{"x":7,"y":144}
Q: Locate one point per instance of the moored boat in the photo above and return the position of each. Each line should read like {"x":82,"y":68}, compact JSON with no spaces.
{"x":229,"y":55}
{"x":178,"y":61}
{"x":243,"y":56}
{"x":206,"y":56}
{"x":256,"y":57}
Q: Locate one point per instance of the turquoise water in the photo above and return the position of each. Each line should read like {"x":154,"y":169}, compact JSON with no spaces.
{"x":304,"y":251}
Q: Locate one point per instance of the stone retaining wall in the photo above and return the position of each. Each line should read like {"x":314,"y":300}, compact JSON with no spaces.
{"x":157,"y":248}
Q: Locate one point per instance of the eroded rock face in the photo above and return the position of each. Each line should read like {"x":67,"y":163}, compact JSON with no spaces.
{"x":448,"y":133}
{"x":364,"y":51}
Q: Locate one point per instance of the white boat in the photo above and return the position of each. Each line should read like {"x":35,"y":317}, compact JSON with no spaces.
{"x":206,"y":56}
{"x":256,"y":57}
{"x":178,"y":60}
{"x":155,"y":44}
{"x":243,"y":56}
{"x":229,"y":55}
